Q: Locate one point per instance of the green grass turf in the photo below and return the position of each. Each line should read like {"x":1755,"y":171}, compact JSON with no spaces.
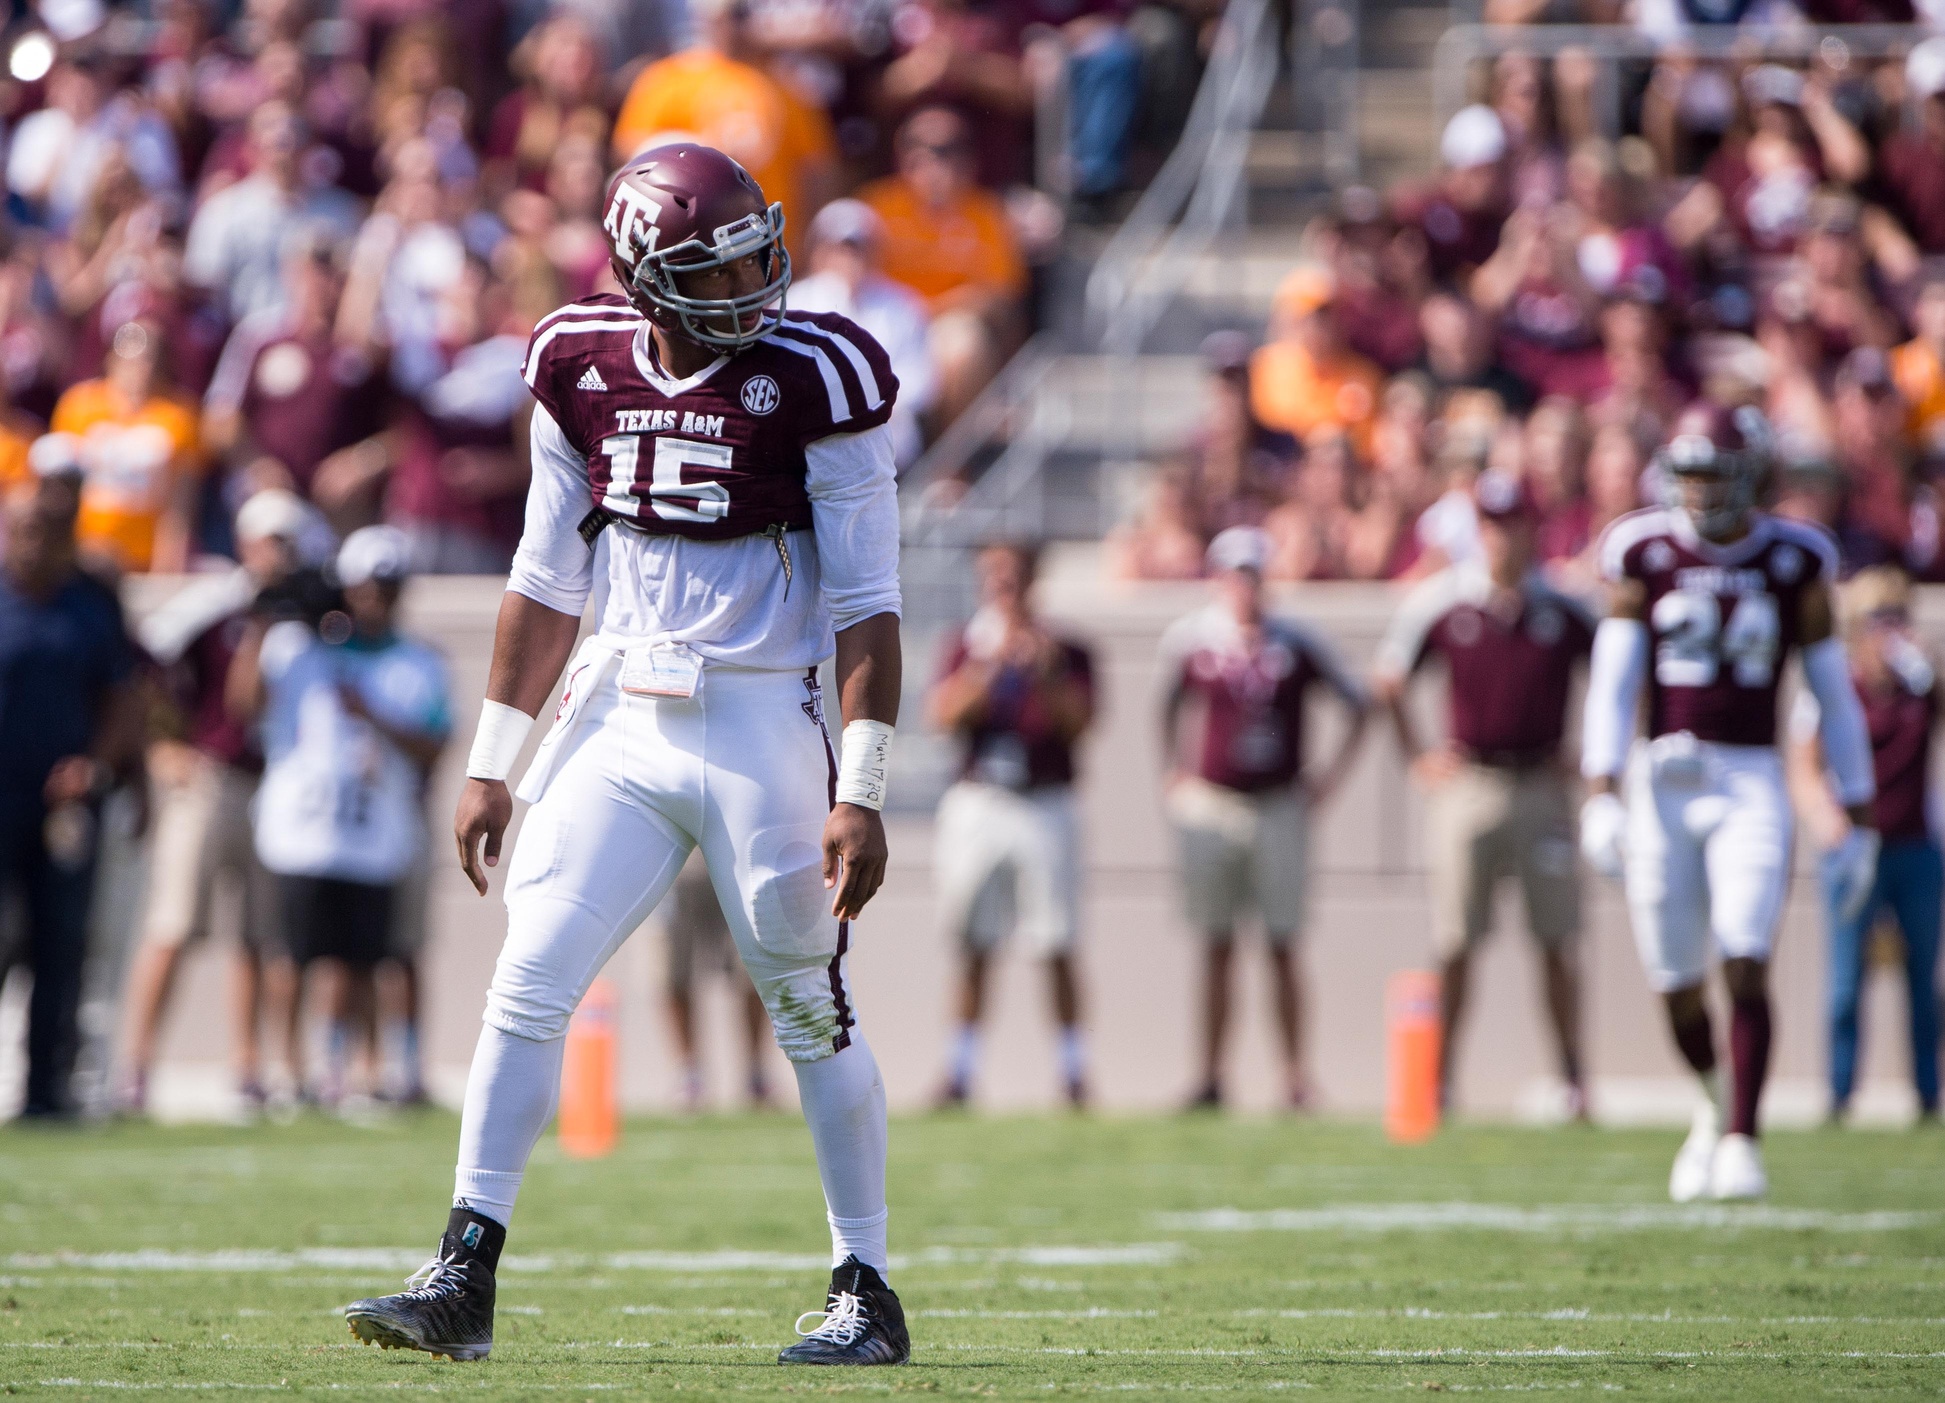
{"x":1036,"y":1257}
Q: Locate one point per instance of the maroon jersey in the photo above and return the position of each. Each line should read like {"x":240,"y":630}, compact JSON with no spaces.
{"x":1014,"y":741}
{"x":1721,"y":618}
{"x":720,"y":454}
{"x":301,"y":397}
{"x":1510,"y":670}
{"x":1901,"y":722}
{"x":1239,"y":722}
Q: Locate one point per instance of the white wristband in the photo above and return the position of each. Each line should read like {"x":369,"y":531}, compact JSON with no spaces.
{"x":861,"y":768}
{"x":496,"y":744}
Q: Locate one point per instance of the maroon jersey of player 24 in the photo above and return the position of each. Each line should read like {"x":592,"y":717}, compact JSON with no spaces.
{"x":721,"y":453}
{"x":1721,"y":618}
{"x":1510,"y":671}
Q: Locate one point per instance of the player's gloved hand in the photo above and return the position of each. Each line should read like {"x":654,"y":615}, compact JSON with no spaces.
{"x":1603,"y":821}
{"x":1852,"y":869}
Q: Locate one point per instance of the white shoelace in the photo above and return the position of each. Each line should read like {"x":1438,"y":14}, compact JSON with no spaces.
{"x":429,"y":1277}
{"x":842,"y":1325}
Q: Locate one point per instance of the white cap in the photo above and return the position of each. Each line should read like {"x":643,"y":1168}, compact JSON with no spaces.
{"x":271,"y":512}
{"x":1474,"y":137}
{"x":1771,"y":82}
{"x":847,"y":222}
{"x":1924,"y":68}
{"x":1240,"y":548}
{"x":51,"y":455}
{"x":373,"y":553}
{"x":69,"y":20}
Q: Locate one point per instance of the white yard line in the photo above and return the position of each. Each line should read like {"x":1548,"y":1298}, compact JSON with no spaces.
{"x":1547,"y":1218}
{"x":403,"y":1259}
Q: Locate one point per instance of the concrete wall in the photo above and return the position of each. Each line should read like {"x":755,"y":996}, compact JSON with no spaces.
{"x":1369,"y":920}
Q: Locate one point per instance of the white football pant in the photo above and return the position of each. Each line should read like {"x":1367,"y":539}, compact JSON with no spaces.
{"x":744,"y":771}
{"x":1708,"y":854}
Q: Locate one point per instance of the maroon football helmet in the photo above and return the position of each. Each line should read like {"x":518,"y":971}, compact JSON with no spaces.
{"x":684,"y":208}
{"x":1713,"y":465}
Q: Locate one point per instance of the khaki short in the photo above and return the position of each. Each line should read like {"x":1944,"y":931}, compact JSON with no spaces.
{"x":202,"y":831}
{"x":1241,"y":852}
{"x":1007,"y":860}
{"x":1484,"y":824}
{"x":699,"y":938}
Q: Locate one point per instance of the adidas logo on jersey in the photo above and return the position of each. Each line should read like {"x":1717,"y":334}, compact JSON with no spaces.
{"x":591,"y":381}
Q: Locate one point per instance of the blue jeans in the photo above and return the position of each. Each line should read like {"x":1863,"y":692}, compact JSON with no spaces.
{"x":1911,"y":881}
{"x":1105,"y":81}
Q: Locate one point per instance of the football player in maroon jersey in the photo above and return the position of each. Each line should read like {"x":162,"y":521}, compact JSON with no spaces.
{"x":1708,"y":597}
{"x":717,"y":473}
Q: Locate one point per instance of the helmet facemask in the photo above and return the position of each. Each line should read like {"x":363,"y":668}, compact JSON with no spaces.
{"x":652,"y":286}
{"x":1713,"y":487}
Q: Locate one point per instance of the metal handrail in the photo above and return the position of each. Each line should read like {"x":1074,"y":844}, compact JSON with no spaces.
{"x":1463,"y":45}
{"x":1196,"y":184}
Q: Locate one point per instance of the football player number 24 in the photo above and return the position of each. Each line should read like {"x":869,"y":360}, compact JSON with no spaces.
{"x":1694,"y":641}
{"x":669,"y":497}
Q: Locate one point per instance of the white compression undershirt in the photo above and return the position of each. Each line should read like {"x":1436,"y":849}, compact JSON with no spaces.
{"x":1614,"y":678}
{"x":1846,"y":736}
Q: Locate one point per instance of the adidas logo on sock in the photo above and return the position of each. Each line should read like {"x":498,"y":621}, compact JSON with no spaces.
{"x":591,"y":381}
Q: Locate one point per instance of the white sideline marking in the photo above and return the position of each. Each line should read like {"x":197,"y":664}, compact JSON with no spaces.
{"x":402,"y":1259}
{"x":1577,"y":1313}
{"x":1506,"y":1217}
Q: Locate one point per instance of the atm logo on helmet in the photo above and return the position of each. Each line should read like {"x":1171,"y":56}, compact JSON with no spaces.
{"x":631,"y":222}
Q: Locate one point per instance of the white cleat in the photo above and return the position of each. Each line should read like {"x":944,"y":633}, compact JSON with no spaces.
{"x":1738,"y":1169}
{"x":1690,"y":1179}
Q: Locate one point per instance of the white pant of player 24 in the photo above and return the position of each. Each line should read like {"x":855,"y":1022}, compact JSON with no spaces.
{"x":1708,"y":855}
{"x":742,"y":769}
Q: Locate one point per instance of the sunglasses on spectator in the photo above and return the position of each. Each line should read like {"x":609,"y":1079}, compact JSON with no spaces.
{"x":942,"y":150}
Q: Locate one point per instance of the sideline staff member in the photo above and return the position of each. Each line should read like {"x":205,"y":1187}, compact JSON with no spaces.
{"x":1498,"y":802}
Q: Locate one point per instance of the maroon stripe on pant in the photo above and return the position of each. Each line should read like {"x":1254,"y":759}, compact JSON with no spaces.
{"x":813,"y":706}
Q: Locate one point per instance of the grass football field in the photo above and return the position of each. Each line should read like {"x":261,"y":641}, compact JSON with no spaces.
{"x":1036,"y":1258}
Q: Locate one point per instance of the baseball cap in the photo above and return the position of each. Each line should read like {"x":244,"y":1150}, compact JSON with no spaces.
{"x":1869,"y":369}
{"x":1772,"y":83}
{"x":53,"y":455}
{"x":1305,"y":290}
{"x":373,"y":553}
{"x":1226,"y":352}
{"x":271,"y":512}
{"x":1924,"y":69}
{"x":1474,"y":137}
{"x":1501,"y":496}
{"x":1240,"y":548}
{"x":847,"y":222}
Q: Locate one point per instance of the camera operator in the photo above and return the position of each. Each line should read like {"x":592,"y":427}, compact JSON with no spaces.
{"x":353,"y":716}
{"x":204,"y":765}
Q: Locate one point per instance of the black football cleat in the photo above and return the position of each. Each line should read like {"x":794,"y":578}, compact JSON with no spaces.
{"x":448,"y":1306}
{"x":862,"y":1323}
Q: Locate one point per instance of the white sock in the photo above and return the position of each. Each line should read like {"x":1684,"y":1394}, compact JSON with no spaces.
{"x":1073,"y":1054}
{"x":965,"y":1055}
{"x":844,"y":1105}
{"x":511,"y":1093}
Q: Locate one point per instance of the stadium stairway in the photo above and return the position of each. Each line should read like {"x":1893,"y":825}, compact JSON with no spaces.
{"x":1074,"y":440}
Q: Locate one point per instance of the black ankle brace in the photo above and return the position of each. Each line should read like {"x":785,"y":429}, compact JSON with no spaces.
{"x":475,"y":1235}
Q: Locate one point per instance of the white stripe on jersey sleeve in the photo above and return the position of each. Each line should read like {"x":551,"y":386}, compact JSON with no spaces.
{"x":1811,"y":537}
{"x":840,"y":403}
{"x":872,"y":399}
{"x":542,"y":341}
{"x":1623,"y":533}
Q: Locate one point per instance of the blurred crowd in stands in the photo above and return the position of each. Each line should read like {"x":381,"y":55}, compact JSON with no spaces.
{"x":300,"y":243}
{"x":1760,"y":232}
